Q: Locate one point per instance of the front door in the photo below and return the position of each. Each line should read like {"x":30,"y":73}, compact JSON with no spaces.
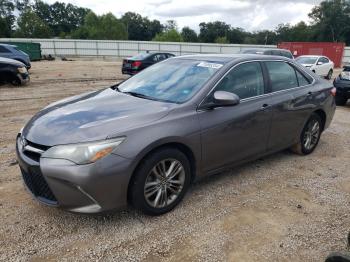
{"x":231,"y":134}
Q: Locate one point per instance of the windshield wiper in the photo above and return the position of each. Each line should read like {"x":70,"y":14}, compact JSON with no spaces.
{"x":140,"y":95}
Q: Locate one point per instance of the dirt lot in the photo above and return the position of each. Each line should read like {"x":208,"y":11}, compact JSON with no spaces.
{"x":280,"y":208}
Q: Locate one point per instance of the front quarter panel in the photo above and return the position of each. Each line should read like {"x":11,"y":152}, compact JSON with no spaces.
{"x":180,"y":126}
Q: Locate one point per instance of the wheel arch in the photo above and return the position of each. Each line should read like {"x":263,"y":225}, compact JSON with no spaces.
{"x":322,"y":114}
{"x":185,"y":149}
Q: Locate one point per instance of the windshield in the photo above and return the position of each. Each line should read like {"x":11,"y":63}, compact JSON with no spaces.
{"x":306,"y":60}
{"x":174,"y":80}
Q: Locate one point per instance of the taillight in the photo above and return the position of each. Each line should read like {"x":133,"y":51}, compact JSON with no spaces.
{"x":136,"y":64}
{"x":333,"y":91}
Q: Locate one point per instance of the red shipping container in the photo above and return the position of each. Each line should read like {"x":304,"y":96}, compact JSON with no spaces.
{"x":332,"y":50}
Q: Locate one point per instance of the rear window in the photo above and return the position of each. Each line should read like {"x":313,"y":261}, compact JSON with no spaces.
{"x":140,"y":56}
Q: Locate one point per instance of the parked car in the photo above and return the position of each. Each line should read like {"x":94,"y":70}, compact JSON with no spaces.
{"x":268,"y":51}
{"x":320,"y":65}
{"x":141,"y":61}
{"x":12,"y":52}
{"x":147,"y":139}
{"x":342,"y":83}
{"x":12,"y":71}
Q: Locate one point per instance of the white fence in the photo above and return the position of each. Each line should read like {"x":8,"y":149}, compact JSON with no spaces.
{"x":110,"y":48}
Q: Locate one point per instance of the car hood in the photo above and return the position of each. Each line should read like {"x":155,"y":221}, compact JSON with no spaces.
{"x":4,"y":60}
{"x":92,"y":116}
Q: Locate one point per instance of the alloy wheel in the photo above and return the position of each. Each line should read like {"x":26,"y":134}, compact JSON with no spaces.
{"x":164,"y":183}
{"x":311,"y":134}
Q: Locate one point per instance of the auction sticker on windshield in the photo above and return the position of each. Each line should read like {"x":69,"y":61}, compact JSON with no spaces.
{"x":210,"y":65}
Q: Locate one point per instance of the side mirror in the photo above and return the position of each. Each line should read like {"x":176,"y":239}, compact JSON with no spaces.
{"x":223,"y":98}
{"x":319,"y":63}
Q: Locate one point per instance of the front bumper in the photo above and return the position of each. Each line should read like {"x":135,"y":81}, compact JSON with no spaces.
{"x":92,"y":188}
{"x":24,"y":78}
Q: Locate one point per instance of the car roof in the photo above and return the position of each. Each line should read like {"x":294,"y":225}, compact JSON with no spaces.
{"x":226,"y":58}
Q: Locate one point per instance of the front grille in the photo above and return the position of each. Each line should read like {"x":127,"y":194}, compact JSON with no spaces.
{"x":37,"y":184}
{"x":34,"y":154}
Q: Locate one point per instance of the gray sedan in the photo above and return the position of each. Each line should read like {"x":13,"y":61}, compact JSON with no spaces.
{"x":144,"y":141}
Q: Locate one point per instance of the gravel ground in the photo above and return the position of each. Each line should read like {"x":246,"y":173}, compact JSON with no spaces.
{"x":281,"y":208}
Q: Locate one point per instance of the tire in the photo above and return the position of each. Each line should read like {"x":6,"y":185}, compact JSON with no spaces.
{"x":16,"y":81}
{"x":329,"y":75}
{"x":308,"y":134}
{"x":151,"y":191}
{"x":340,"y":100}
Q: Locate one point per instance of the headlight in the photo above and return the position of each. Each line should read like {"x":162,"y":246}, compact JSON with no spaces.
{"x":84,"y":153}
{"x":22,"y":70}
{"x":345,"y":75}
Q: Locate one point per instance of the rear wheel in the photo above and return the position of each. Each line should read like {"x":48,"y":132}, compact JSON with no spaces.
{"x":340,"y":100}
{"x":160,"y":182}
{"x":329,"y":75}
{"x":310,"y":136}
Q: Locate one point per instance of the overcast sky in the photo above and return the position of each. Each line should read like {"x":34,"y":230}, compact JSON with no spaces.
{"x":248,"y":14}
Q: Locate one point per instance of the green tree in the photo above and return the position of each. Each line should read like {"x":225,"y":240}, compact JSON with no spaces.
{"x":209,"y":32}
{"x":222,"y":40}
{"x":7,"y":18}
{"x":105,"y":27}
{"x":189,"y":35}
{"x":60,"y":17}
{"x":168,"y":36}
{"x":331,"y":20}
{"x":140,"y":28}
{"x":30,"y":25}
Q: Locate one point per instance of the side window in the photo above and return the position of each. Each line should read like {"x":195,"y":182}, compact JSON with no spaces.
{"x":3,"y":49}
{"x":287,"y":54}
{"x":282,"y":76}
{"x":276,"y":52}
{"x":159,"y":57}
{"x":323,"y":60}
{"x":245,"y":80}
{"x":303,"y":81}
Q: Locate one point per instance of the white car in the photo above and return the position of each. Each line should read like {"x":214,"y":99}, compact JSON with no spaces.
{"x":320,"y":65}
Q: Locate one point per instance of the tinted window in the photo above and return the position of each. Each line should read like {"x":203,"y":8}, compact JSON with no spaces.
{"x":287,"y":54}
{"x":140,"y":56}
{"x":3,"y":49}
{"x":174,"y":80}
{"x":170,"y":55}
{"x":282,"y":76}
{"x":276,"y":52}
{"x":159,"y":57}
{"x":323,"y":60}
{"x":303,"y":81}
{"x":245,"y":80}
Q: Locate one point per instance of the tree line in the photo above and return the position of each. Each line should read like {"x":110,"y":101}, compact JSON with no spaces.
{"x":330,"y":21}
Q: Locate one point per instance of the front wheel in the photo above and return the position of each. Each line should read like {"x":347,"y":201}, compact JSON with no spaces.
{"x":310,"y":136}
{"x":160,"y":182}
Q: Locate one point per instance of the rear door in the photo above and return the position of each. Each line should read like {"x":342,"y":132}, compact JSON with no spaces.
{"x":291,"y":93}
{"x":231,"y":134}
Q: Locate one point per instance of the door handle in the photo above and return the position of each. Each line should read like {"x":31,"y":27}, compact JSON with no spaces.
{"x":309,"y":93}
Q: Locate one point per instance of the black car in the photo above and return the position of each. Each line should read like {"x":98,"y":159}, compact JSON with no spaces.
{"x":268,"y":51}
{"x":12,"y":71}
{"x":141,"y":61}
{"x":342,"y":83}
